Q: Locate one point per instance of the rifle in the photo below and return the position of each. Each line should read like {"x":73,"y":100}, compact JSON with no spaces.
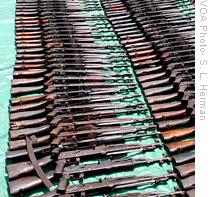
{"x":151,"y":194}
{"x":89,"y":61}
{"x":81,"y":34}
{"x":105,"y":150}
{"x":71,"y":143}
{"x":89,"y":72}
{"x":69,"y":44}
{"x":100,"y":113}
{"x":97,"y":122}
{"x":94,"y":107}
{"x":97,"y":91}
{"x":86,"y":91}
{"x":81,"y":49}
{"x":56,"y":87}
{"x":105,"y":185}
{"x":87,"y":66}
{"x":79,"y":172}
{"x":74,"y":53}
{"x":18,"y":169}
{"x":98,"y":133}
{"x":51,"y":97}
{"x":96,"y":98}
{"x":73,"y":56}
{"x":92,"y":132}
{"x":19,"y":112}
{"x":92,"y":78}
{"x":88,"y":109}
{"x":65,"y":87}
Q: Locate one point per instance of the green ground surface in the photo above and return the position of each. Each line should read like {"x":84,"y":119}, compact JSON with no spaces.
{"x":7,"y":60}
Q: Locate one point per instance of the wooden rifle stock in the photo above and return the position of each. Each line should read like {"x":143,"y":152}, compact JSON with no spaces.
{"x":185,"y":170}
{"x":171,"y":135}
{"x":190,"y":193}
{"x":20,"y":168}
{"x":188,"y":183}
{"x":26,"y":183}
{"x":175,"y":147}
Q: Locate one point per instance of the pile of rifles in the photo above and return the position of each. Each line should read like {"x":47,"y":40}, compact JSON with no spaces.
{"x":103,"y":99}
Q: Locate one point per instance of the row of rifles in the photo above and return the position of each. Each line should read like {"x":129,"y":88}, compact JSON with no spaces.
{"x":164,"y":31}
{"x":100,"y":89}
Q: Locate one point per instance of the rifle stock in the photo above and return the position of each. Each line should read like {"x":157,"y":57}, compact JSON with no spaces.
{"x":171,"y":135}
{"x":188,"y":183}
{"x":175,"y":147}
{"x":190,"y":193}
{"x":20,"y":168}
{"x":185,"y":170}
{"x":26,"y":183}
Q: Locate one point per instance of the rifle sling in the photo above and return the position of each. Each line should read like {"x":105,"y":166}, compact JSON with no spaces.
{"x":35,"y":164}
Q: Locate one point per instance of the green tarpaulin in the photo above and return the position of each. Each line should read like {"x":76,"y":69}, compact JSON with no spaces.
{"x":7,"y":60}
